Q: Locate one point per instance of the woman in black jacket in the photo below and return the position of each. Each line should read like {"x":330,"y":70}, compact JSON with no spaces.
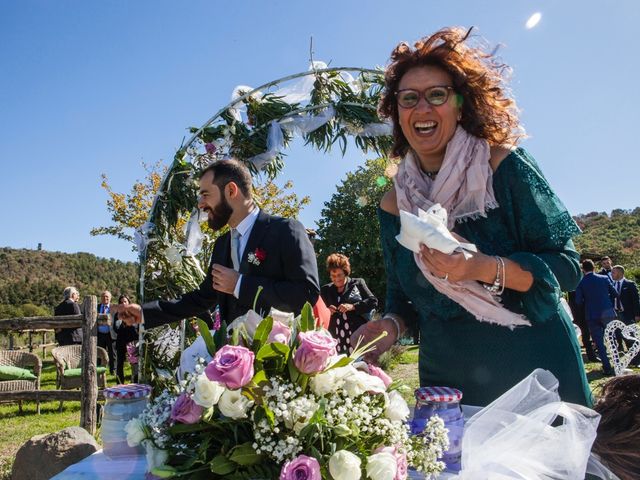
{"x":349,"y":300}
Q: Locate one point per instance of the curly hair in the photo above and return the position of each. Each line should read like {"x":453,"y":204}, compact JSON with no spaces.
{"x":619,"y":429}
{"x":479,"y":80}
{"x":338,"y":260}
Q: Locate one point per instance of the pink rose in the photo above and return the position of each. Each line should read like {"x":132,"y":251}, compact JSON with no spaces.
{"x":279,"y":333}
{"x":301,"y":468}
{"x":381,"y":374}
{"x":315,"y":350}
{"x":210,"y":148}
{"x":232,"y":366}
{"x":401,"y":460}
{"x":185,"y":410}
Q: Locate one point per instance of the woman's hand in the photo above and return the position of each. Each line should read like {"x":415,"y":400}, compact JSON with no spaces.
{"x":371,"y":330}
{"x":456,"y":268}
{"x":346,"y":307}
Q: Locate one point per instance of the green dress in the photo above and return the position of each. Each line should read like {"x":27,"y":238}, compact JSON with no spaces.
{"x":532,"y":227}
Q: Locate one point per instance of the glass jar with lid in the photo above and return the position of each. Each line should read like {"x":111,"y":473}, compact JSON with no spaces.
{"x":122,"y":403}
{"x":445,"y":403}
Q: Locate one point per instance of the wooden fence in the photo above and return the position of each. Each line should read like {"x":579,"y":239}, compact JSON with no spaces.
{"x":88,"y":394}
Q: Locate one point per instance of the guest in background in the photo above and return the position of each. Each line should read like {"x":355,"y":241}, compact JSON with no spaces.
{"x":597,"y":294}
{"x":627,"y":302}
{"x":618,"y":439}
{"x":605,"y":263}
{"x":124,"y":335}
{"x":349,"y":300}
{"x":105,"y":339}
{"x":577,"y":312}
{"x":69,"y":306}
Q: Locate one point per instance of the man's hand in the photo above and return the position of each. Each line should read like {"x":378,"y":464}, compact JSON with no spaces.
{"x":224,"y":279}
{"x":130,"y":314}
{"x":371,"y":330}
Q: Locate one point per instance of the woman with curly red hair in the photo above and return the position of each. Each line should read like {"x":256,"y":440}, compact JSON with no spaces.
{"x":456,"y":127}
{"x":349,"y":300}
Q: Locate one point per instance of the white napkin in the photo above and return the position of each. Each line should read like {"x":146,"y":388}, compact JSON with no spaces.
{"x":430,"y":228}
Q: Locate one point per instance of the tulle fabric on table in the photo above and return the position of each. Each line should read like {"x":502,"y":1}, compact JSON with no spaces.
{"x":529,"y":433}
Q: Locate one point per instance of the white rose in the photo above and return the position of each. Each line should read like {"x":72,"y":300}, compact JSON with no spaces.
{"x":233,"y":404}
{"x":331,"y":380}
{"x":396,"y":408}
{"x":135,"y":432}
{"x":361,"y":382}
{"x":207,"y":393}
{"x":344,"y":465}
{"x":382,"y":466}
{"x":156,"y":457}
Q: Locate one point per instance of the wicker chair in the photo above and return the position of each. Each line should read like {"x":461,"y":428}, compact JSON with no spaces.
{"x":20,"y":359}
{"x":70,"y":356}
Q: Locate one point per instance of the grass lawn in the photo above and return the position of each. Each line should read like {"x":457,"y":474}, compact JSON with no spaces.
{"x":18,"y":427}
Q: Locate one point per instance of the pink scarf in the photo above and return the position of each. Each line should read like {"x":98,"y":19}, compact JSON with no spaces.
{"x":464,"y":187}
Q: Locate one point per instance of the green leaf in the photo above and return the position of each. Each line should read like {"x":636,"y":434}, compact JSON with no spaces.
{"x":164,"y":472}
{"x":307,"y":322}
{"x":262,"y":333}
{"x":220,"y":337}
{"x":294,"y":373}
{"x":188,"y":427}
{"x":245,"y":455}
{"x":273,"y":350}
{"x":221,"y":465}
{"x":206,"y":336}
{"x":260,"y":378}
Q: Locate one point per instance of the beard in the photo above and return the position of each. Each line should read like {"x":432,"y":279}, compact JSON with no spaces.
{"x":219,"y":216}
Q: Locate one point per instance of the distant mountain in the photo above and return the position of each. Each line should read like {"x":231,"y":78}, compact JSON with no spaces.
{"x":616,"y":235}
{"x":38,"y":277}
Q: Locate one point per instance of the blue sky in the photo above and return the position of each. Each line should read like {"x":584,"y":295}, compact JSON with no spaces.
{"x":88,"y":87}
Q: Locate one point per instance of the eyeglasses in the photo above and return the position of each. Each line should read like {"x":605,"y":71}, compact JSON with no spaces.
{"x":436,"y":96}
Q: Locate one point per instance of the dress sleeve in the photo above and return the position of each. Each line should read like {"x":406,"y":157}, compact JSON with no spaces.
{"x":369,"y":300}
{"x":396,"y":300}
{"x":545,"y":229}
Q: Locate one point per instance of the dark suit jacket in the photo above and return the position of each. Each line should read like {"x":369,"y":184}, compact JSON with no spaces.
{"x":288,"y":275}
{"x":357,"y":293}
{"x":630,"y":301}
{"x":68,"y":336}
{"x":597,"y":294}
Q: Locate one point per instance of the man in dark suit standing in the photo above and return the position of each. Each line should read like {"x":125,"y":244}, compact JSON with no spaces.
{"x":260,"y":250}
{"x":597,"y":294}
{"x":605,"y":263}
{"x":69,"y":306}
{"x":627,"y":302}
{"x":105,"y":337}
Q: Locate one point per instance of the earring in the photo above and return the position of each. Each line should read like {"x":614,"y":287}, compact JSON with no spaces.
{"x":459,"y":117}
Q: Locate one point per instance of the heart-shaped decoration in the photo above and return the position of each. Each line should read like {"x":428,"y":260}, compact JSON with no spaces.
{"x":630,"y":332}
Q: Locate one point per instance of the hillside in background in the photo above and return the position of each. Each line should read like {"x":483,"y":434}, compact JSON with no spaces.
{"x":616,"y":235}
{"x":37,"y":277}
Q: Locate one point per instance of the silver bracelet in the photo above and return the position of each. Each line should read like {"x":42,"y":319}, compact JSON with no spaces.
{"x":497,"y":288}
{"x":394,"y":318}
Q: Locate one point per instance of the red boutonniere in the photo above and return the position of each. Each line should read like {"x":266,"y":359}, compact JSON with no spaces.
{"x":257,"y":257}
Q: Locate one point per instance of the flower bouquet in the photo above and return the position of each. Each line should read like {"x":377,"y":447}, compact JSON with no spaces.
{"x":282,"y":404}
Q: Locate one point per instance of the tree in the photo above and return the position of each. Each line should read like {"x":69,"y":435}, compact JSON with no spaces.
{"x":129,"y":212}
{"x":349,"y":224}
